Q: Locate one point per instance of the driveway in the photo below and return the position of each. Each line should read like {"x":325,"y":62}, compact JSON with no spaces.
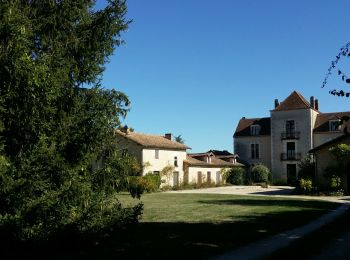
{"x":278,"y":191}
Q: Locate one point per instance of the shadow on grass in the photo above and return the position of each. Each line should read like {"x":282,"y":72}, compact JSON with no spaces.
{"x":172,"y":240}
{"x":329,"y":242}
{"x":270,"y":202}
{"x":275,"y":192}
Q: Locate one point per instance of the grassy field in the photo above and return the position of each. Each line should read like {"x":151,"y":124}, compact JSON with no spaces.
{"x":202,"y":225}
{"x":334,"y":234}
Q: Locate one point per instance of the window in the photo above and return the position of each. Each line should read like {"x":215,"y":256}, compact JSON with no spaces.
{"x":254,"y":151}
{"x":156,"y":172}
{"x":199,"y":177}
{"x":290,"y":150}
{"x":175,"y":161}
{"x":334,"y":125}
{"x":254,"y":129}
{"x":156,"y":154}
{"x":209,"y":177}
{"x":290,"y":126}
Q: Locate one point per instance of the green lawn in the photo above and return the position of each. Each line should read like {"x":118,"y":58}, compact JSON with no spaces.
{"x":201,"y":225}
{"x":335,"y":232}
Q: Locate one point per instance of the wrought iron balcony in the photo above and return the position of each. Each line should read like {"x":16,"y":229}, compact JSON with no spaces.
{"x":290,"y":135}
{"x":290,"y":156}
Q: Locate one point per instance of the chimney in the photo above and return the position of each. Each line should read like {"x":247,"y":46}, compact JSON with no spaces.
{"x":316,"y":104}
{"x":276,"y":103}
{"x":312,"y":102}
{"x":169,"y":136}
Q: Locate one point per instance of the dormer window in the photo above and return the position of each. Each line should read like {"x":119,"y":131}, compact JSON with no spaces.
{"x":334,"y":125}
{"x":254,"y":129}
{"x":207,"y":159}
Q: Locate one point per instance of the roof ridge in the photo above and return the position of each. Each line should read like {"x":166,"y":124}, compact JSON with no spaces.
{"x":303,"y":98}
{"x":294,"y":101}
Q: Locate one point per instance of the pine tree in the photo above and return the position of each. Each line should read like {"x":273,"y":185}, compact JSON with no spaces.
{"x":53,"y":128}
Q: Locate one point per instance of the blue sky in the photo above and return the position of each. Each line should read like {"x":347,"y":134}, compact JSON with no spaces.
{"x":195,"y":67}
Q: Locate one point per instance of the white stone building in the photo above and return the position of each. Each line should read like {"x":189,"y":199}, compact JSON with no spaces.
{"x":207,"y":167}
{"x":155,"y":152}
{"x":280,"y":141}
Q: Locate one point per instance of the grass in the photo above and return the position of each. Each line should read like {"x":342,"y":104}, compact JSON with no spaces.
{"x":202,"y":225}
{"x":334,"y":235}
{"x":196,"y":226}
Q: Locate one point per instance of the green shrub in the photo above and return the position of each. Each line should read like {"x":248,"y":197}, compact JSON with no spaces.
{"x":236,"y":176}
{"x":153,"y":182}
{"x":333,"y":173}
{"x":260,"y":173}
{"x":305,"y":185}
{"x":140,"y":184}
{"x":335,"y":183}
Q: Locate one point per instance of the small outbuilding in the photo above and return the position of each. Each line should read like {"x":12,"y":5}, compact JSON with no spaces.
{"x":324,"y":158}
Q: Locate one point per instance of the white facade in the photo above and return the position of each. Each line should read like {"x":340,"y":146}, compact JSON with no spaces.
{"x":153,"y":163}
{"x":303,"y":142}
{"x":294,"y":127}
{"x":204,"y":174}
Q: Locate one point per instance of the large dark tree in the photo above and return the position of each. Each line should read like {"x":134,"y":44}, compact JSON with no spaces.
{"x":53,"y":131}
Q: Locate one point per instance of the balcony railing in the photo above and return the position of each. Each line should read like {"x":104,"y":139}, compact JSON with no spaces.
{"x":290,"y":156}
{"x":290,"y":135}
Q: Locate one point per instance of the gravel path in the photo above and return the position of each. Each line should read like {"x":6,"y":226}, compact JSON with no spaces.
{"x":266,"y":246}
{"x":278,"y":191}
{"x":269,"y":245}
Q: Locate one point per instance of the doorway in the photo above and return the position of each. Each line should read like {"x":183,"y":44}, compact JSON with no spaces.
{"x":291,"y":174}
{"x":218,"y":179}
{"x":176,"y":179}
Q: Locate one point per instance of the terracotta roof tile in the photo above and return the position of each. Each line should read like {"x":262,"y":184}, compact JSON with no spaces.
{"x":322,"y":121}
{"x":215,"y":162}
{"x":152,"y":141}
{"x":243,"y":127}
{"x":293,"y":101}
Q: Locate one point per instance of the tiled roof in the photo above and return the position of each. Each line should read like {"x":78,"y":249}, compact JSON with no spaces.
{"x":223,"y":154}
{"x":322,"y":121}
{"x":293,"y":101}
{"x":152,"y":141}
{"x":243,"y":127}
{"x":215,"y":162}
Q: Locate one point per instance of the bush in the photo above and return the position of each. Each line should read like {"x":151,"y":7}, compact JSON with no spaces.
{"x":305,"y":185}
{"x":333,"y":173}
{"x":140,"y":184}
{"x":260,"y":173}
{"x":335,"y":183}
{"x":236,"y":176}
{"x":152,"y":182}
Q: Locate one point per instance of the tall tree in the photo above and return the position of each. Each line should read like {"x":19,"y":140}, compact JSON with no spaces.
{"x":53,"y":129}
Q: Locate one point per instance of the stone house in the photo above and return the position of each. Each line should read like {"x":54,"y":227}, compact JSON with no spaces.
{"x":323,"y":159}
{"x":280,"y":141}
{"x":207,"y":167}
{"x":155,"y":152}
